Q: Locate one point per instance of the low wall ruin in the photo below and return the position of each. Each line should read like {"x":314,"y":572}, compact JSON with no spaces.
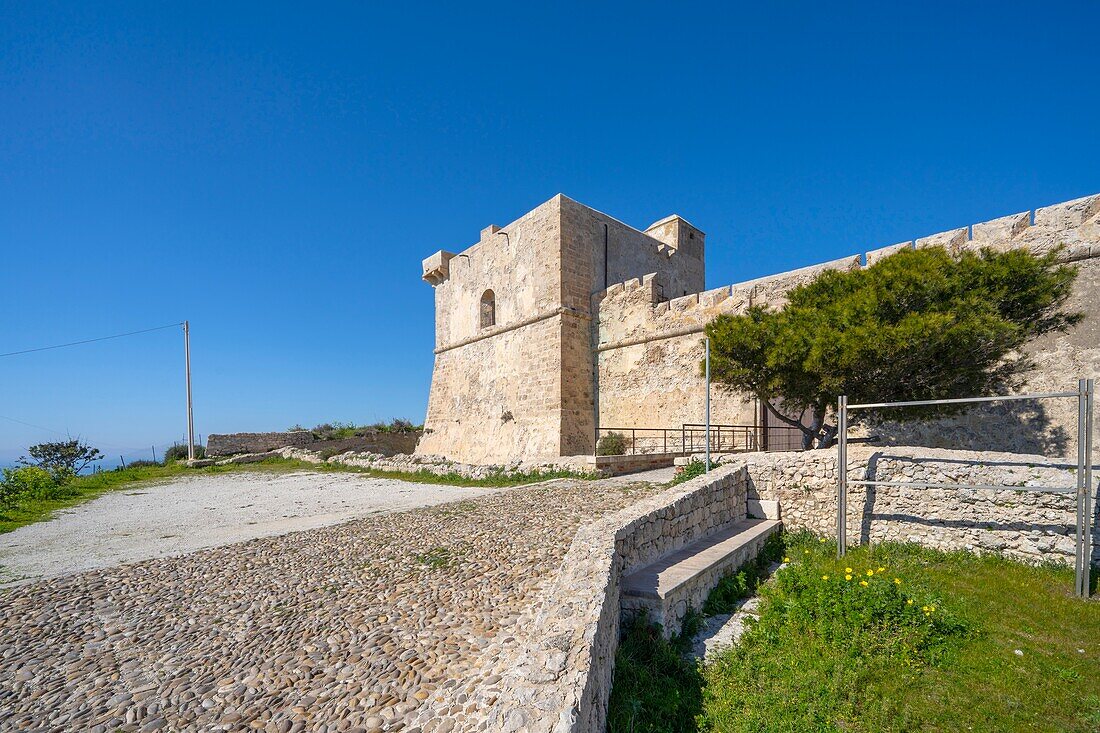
{"x":383,"y":443}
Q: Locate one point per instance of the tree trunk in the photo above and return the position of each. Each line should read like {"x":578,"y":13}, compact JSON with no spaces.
{"x":814,"y":432}
{"x":808,"y":434}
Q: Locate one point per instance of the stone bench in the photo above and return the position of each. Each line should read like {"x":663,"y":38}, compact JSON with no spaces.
{"x":667,"y":588}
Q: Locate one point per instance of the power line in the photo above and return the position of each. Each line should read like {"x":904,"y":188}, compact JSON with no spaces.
{"x":32,"y":425}
{"x":68,"y":434}
{"x":88,"y":341}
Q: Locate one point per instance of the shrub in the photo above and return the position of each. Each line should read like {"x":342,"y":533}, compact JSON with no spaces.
{"x":612,"y":444}
{"x":143,"y":463}
{"x":63,"y":459}
{"x":178,"y":452}
{"x":690,"y":471}
{"x":28,"y":482}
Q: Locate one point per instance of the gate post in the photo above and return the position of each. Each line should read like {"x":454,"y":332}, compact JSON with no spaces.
{"x":842,"y":476}
{"x":1086,"y":498}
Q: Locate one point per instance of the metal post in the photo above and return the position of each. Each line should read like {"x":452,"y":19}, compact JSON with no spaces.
{"x":1082,"y":459}
{"x":707,"y":360}
{"x":842,"y":476}
{"x":1086,"y":543}
{"x":190,"y":416}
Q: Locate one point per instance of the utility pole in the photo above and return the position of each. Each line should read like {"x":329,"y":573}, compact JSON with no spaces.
{"x":707,"y":361}
{"x":190,"y":417}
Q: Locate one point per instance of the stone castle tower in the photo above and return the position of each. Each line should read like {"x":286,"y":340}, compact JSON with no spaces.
{"x":515,"y":340}
{"x":566,"y":323}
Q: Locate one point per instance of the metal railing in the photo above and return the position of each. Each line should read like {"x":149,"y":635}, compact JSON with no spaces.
{"x":692,"y":438}
{"x":643,"y":441}
{"x":1085,"y":395}
{"x":723,"y":438}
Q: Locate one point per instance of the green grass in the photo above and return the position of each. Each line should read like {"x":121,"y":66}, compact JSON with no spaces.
{"x":834,"y":655}
{"x":960,"y":673}
{"x":85,"y":488}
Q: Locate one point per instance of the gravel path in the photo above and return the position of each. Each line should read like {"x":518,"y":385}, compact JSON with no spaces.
{"x":362,"y":626}
{"x":196,"y":512}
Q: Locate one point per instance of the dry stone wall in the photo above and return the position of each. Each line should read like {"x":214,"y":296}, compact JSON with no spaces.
{"x":1023,"y":524}
{"x":233,"y":443}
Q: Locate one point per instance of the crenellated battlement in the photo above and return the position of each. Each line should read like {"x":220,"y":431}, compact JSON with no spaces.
{"x":1074,"y":225}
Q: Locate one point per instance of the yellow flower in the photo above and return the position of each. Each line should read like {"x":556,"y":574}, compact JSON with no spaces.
{"x":863,"y":583}
{"x":924,"y":608}
{"x":824,"y":577}
{"x":931,"y":609}
{"x":897,"y":581}
{"x":882,"y":570}
{"x":847,"y":570}
{"x":805,"y":552}
{"x":786,"y":559}
{"x":909,"y":602}
{"x":823,"y":540}
{"x":848,"y":576}
{"x":870,"y":572}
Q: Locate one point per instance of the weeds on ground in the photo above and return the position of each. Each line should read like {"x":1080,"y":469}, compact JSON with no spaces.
{"x":344,"y":430}
{"x":656,"y":689}
{"x":897,"y":638}
{"x":440,"y":557}
{"x":692,"y":470}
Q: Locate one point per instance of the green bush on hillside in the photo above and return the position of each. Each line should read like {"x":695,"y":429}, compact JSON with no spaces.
{"x":178,"y":452}
{"x":28,"y":482}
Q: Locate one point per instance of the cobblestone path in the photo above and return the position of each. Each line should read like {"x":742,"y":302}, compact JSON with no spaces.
{"x":360,"y":626}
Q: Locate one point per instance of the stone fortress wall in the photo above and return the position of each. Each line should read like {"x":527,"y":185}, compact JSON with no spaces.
{"x":599,"y":325}
{"x":649,"y":348}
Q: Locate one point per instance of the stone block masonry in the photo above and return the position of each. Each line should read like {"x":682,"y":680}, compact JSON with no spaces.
{"x":561,"y":681}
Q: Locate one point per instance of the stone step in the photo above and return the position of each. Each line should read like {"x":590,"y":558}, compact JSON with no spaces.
{"x":683,"y":579}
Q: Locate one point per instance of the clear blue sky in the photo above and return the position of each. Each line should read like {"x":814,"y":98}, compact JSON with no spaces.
{"x":275,"y":173}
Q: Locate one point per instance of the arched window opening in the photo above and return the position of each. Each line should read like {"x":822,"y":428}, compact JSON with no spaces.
{"x":488,"y":309}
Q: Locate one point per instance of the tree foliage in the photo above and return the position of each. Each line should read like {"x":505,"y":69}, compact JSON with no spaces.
{"x":63,"y":458}
{"x":920,"y":324}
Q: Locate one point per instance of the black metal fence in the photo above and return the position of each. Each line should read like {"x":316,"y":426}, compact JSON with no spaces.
{"x":692,"y":438}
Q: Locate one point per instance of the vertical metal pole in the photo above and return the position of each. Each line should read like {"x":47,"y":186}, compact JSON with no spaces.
{"x":1086,"y":544}
{"x":842,"y":476}
{"x":190,"y":416}
{"x":1082,"y":459}
{"x":707,"y":360}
